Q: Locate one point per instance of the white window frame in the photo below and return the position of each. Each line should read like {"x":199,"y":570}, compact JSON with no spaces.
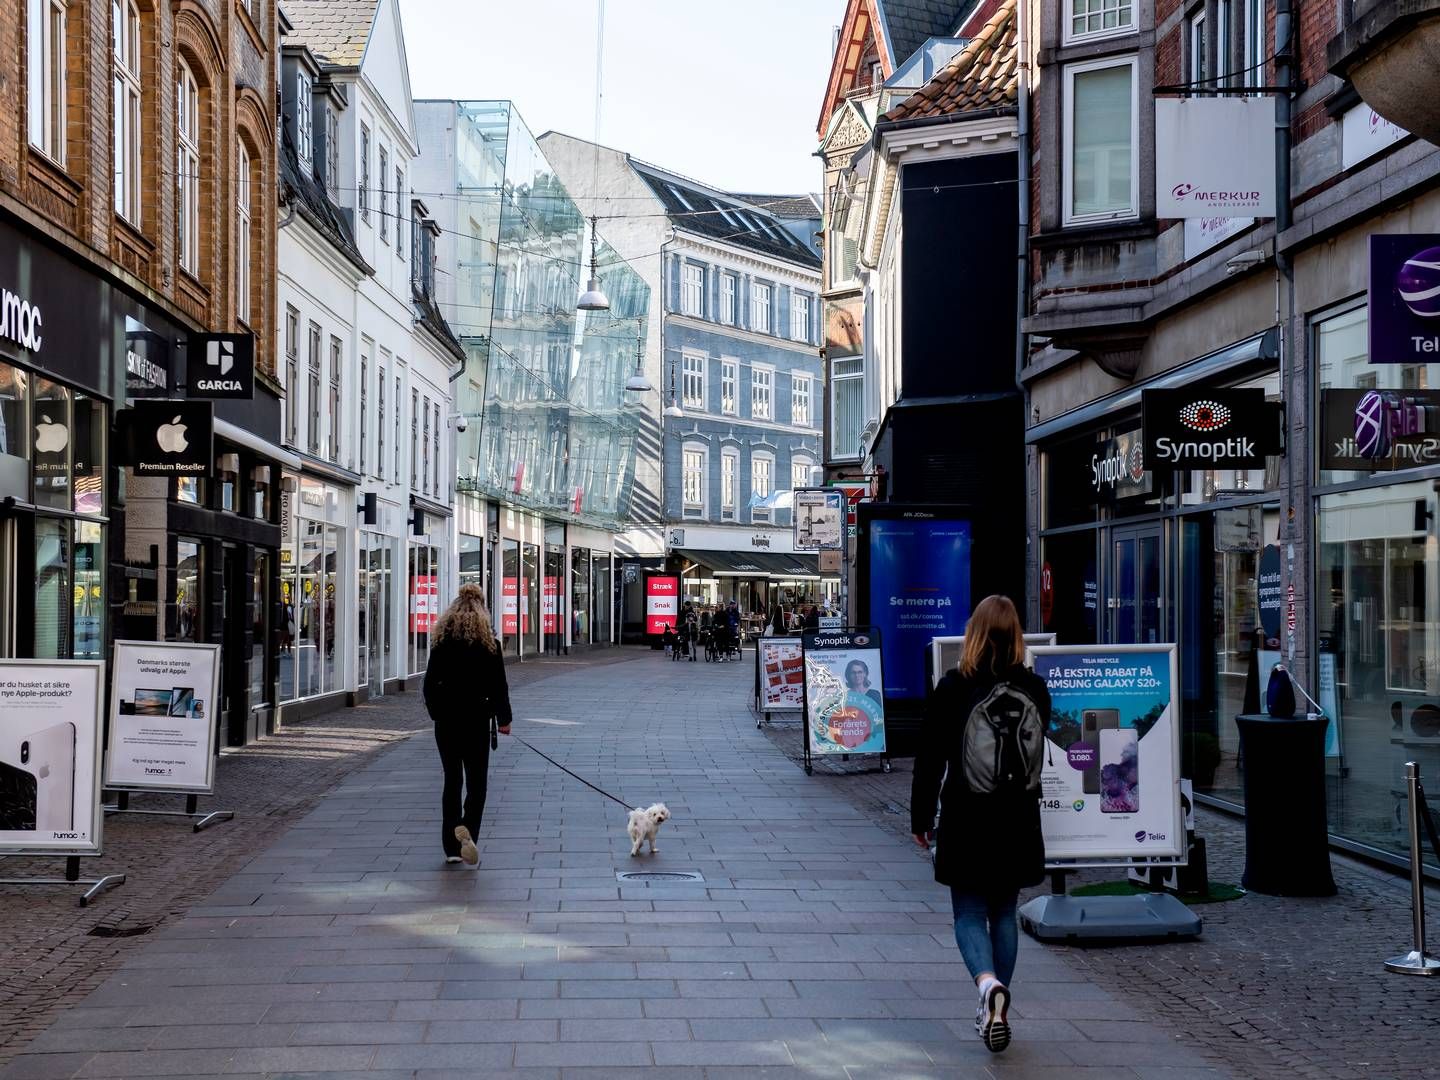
{"x":692,"y":380}
{"x":729,"y":482}
{"x":126,"y":47}
{"x":756,"y":460}
{"x":729,"y":386}
{"x":366,"y":347}
{"x":692,"y":290}
{"x":363,"y":188}
{"x":332,"y":153}
{"x":1068,"y":22}
{"x":243,"y":268}
{"x":1195,"y":47}
{"x":1068,"y":141}
{"x":800,"y":466}
{"x":400,"y":213}
{"x":799,"y":316}
{"x":187,"y":168}
{"x":292,"y":375}
{"x":727,"y":299}
{"x":800,"y":381}
{"x":836,"y":381}
{"x":336,"y":402}
{"x":305,"y":119}
{"x":384,"y":198}
{"x":760,"y":312}
{"x":45,"y":64}
{"x":756,"y":385}
{"x":694,"y":469}
{"x":380,"y":420}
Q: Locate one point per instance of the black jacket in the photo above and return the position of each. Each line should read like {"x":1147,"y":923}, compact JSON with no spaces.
{"x":465,"y":681}
{"x":985,"y":842}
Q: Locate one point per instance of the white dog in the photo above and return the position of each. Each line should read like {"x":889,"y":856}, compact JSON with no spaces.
{"x":644,"y":824}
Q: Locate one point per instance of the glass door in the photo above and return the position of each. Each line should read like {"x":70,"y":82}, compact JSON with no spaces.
{"x":8,"y":597}
{"x":1134,"y":599}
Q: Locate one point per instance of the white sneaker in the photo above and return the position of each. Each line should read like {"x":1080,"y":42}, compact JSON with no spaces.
{"x":468,"y":853}
{"x":994,"y":1027}
{"x":452,"y":858}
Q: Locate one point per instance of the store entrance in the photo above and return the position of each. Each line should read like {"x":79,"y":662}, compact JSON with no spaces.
{"x":1133,"y":583}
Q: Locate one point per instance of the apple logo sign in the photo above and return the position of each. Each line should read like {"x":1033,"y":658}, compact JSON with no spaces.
{"x":50,"y":437}
{"x":171,"y":437}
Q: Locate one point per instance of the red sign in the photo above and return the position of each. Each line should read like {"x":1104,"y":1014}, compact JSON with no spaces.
{"x":424,"y":602}
{"x":514,"y":606}
{"x":1047,"y":595}
{"x":855,"y":494}
{"x":550,"y":606}
{"x":662,"y":603}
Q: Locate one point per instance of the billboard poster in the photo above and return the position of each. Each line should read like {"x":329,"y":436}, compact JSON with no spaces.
{"x":50,"y":756}
{"x":819,"y":519}
{"x":424,"y":602}
{"x":844,"y":696}
{"x":1404,"y":298}
{"x":1110,"y":786}
{"x":162,"y":716}
{"x":945,"y":653}
{"x":782,"y":674}
{"x":549,"y":605}
{"x":918,"y":589}
{"x":662,"y":602}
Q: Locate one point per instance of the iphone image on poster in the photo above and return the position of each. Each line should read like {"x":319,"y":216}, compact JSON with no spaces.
{"x":1119,"y":771}
{"x":39,"y":782}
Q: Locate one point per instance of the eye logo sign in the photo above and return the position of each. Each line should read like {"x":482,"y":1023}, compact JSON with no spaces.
{"x":1205,"y":415}
{"x":1207,"y":429}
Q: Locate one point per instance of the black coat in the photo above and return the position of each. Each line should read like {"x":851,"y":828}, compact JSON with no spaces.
{"x":465,"y":681}
{"x":985,"y":842}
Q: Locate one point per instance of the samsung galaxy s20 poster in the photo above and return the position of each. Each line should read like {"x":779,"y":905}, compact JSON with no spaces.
{"x":50,"y":756}
{"x":1110,"y":786}
{"x":162,"y":722}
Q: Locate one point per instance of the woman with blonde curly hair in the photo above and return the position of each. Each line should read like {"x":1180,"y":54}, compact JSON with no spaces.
{"x":464,"y":687}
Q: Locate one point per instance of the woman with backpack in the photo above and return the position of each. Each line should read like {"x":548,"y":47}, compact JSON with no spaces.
{"x":984,"y":736}
{"x":464,"y":687}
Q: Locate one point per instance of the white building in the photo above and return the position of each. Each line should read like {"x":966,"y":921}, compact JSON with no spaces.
{"x":366,"y":361}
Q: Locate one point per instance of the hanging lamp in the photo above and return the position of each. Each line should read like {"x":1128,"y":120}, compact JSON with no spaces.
{"x":673,"y":410}
{"x":593,"y":298}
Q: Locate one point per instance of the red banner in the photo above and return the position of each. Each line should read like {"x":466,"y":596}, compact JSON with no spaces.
{"x":514,"y":606}
{"x":424,"y":602}
{"x":662,"y":603}
{"x":550,"y":606}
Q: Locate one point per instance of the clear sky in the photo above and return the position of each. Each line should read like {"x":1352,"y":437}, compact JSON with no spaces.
{"x":725,"y":92}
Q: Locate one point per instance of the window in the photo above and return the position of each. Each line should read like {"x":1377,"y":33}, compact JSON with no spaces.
{"x":1101,"y":179}
{"x":425,"y":450}
{"x":761,"y":470}
{"x":304,"y":119}
{"x":337,"y":424}
{"x":384,"y":196}
{"x":729,"y":377}
{"x":762,"y":384}
{"x":45,"y":64}
{"x":760,"y":308}
{"x":332,"y":153}
{"x":800,"y":473}
{"x":242,"y":233}
{"x":380,"y":422}
{"x":1239,"y":43}
{"x":125,"y":20}
{"x":187,"y":169}
{"x":847,"y":391}
{"x":364,"y":404}
{"x":398,"y":411}
{"x":692,"y":290}
{"x":799,"y":317}
{"x":1199,"y":70}
{"x":414,"y":435}
{"x":800,"y":400}
{"x":729,"y":474}
{"x":312,"y":429}
{"x":1100,"y":18}
{"x":693,"y":471}
{"x":693,"y":382}
{"x":727,"y":299}
{"x":435,"y":452}
{"x":292,"y":375}
{"x":399,"y":213}
{"x":363,"y":194}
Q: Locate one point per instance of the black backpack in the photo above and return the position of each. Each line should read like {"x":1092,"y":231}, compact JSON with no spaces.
{"x":1004,"y":742}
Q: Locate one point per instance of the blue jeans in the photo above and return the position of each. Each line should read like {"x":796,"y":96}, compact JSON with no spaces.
{"x":986,"y":932}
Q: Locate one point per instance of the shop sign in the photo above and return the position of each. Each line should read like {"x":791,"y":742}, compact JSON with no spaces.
{"x":1364,"y":133}
{"x":1214,"y":157}
{"x":1379,"y":430}
{"x":220,"y":366}
{"x":844,"y":691}
{"x":1117,"y":468}
{"x":1267,"y":591}
{"x":162,"y":717}
{"x":662,"y":602}
{"x":147,"y":361}
{"x":818,"y":516}
{"x":20,"y":321}
{"x":855,"y":494}
{"x":170,"y":438}
{"x":1207,"y":429}
{"x":1290,"y":609}
{"x":50,"y":722}
{"x":1404,"y":299}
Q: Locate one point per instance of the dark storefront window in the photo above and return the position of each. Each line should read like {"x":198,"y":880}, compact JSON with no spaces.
{"x":601,"y":592}
{"x":52,"y":588}
{"x":580,"y":615}
{"x":513,"y":618}
{"x":189,"y":567}
{"x":552,"y":605}
{"x":51,"y":444}
{"x":1071,"y":584}
{"x":89,"y":590}
{"x":530,"y":598}
{"x":259,"y":630}
{"x":471,"y":561}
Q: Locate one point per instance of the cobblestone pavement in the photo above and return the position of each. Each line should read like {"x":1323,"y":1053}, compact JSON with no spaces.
{"x":54,"y":952}
{"x":816,"y":946}
{"x":1275,"y":987}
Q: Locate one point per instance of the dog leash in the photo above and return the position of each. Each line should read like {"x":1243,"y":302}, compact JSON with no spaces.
{"x":563,"y":769}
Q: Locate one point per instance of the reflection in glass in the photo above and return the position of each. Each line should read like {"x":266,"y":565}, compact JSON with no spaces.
{"x":310,"y":607}
{"x":12,"y":411}
{"x":600,"y":596}
{"x":52,"y":444}
{"x":362,"y":614}
{"x":580,"y":596}
{"x":329,"y":682}
{"x":260,"y":622}
{"x":510,"y":604}
{"x":52,"y":588}
{"x":530,"y":599}
{"x":188,"y":568}
{"x":89,"y":556}
{"x":88,"y":454}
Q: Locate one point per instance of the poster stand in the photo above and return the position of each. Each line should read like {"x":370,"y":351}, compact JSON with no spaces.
{"x":192,"y":810}
{"x":860,"y":641}
{"x":104,"y":883}
{"x":764,"y":714}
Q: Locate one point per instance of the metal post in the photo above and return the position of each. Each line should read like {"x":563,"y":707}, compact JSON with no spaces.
{"x":1417,"y":961}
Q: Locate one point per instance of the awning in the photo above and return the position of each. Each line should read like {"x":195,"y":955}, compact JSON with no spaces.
{"x":792,"y":566}
{"x":240,"y":437}
{"x":755,"y":564}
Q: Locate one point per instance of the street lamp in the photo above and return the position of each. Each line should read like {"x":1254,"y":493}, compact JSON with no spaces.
{"x":593,"y":298}
{"x":638,"y":383}
{"x":673,"y":410}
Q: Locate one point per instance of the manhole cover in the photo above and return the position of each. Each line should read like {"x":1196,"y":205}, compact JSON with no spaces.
{"x":658,"y":876}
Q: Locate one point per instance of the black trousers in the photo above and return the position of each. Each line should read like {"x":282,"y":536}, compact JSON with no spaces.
{"x":465,"y":757}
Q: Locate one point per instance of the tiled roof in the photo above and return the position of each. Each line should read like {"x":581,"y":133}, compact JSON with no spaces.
{"x":982,"y":75}
{"x":785,"y":206}
{"x":308,"y":198}
{"x":735,"y":220}
{"x":911,"y":22}
{"x":334,"y":30}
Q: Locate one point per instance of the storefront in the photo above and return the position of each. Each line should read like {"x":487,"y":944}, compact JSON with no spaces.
{"x":318,"y":561}
{"x":428,"y":585}
{"x":757,"y":568}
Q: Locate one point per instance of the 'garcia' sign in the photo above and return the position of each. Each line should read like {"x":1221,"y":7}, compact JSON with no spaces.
{"x":1204,"y":429}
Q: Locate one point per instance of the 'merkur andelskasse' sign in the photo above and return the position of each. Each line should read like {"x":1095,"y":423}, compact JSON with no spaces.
{"x":1206,"y":428}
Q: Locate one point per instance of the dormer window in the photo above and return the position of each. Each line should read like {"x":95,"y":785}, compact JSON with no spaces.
{"x":423,"y":232}
{"x":304,"y":132}
{"x":332,"y":153}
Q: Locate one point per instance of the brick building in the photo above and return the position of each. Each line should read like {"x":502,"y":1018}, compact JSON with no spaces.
{"x":137,"y":210}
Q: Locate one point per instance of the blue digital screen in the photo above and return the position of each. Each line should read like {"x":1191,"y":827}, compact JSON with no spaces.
{"x":919,"y":589}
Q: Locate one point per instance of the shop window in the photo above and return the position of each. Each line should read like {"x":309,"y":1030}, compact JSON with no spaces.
{"x":50,"y":424}
{"x":309,"y":608}
{"x":53,"y":602}
{"x":581,"y":619}
{"x":89,"y":590}
{"x":189,"y":573}
{"x":13,"y":394}
{"x":329,"y":620}
{"x":259,"y":629}
{"x":187,"y":490}
{"x":260,"y":489}
{"x":227,"y":480}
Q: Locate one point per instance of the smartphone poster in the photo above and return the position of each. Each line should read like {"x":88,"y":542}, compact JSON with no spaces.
{"x":163,"y":704}
{"x":782,"y":674}
{"x":1110,"y":785}
{"x":50,"y":713}
{"x":844,"y":696}
{"x":945,"y":653}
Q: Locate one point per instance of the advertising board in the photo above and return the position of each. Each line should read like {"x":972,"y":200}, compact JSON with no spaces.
{"x":1110,"y":786}
{"x":945,"y":653}
{"x":163,"y":703}
{"x":550,"y":605}
{"x":662,"y":602}
{"x":844,"y":696}
{"x":1404,"y":298}
{"x":50,"y":721}
{"x":424,"y":602}
{"x":514,"y":606}
{"x":781,"y":666}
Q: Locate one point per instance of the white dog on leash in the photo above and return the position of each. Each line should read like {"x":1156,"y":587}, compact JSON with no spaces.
{"x":644,"y":824}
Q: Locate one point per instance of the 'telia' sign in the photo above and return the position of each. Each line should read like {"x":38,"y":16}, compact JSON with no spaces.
{"x":20,"y":321}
